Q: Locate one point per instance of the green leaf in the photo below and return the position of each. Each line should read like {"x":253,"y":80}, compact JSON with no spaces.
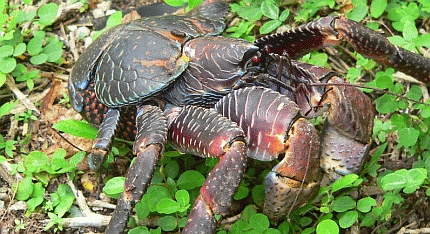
{"x":175,"y":3}
{"x":327,"y":226}
{"x":259,"y":222}
{"x":284,"y":15}
{"x":25,"y":189}
{"x":415,"y":177}
{"x":6,"y":51}
{"x":240,"y":226}
{"x":368,"y":220}
{"x":348,"y":219}
{"x":423,"y":40}
{"x":269,"y":26}
{"x":251,"y":13}
{"x":377,"y":8}
{"x":272,"y":231}
{"x":248,"y":212}
{"x":270,"y":10}
{"x":284,"y":227}
{"x":192,"y":4}
{"x":19,"y":49}
{"x":344,"y":203}
{"x":167,"y":206}
{"x":393,"y":181}
{"x":358,"y":13}
{"x":67,"y":198}
{"x":47,"y":13}
{"x":410,"y":31}
{"x":114,"y":187}
{"x":172,"y":169}
{"x":36,"y":161}
{"x":114,"y":19}
{"x":190,"y":179}
{"x":39,"y":59}
{"x":386,"y":104}
{"x":258,"y":194}
{"x":7,"y":107}
{"x":77,"y":158}
{"x":365,"y":204}
{"x":2,"y":81}
{"x":7,"y":65}
{"x":345,"y":182}
{"x":384,"y":81}
{"x":154,"y":195}
{"x":54,"y":50}
{"x":408,"y":136}
{"x":167,"y":223}
{"x":142,"y":208}
{"x":34,"y":46}
{"x":415,"y":93}
{"x":37,"y":197}
{"x":139,"y":230}
{"x":241,"y":193}
{"x":183,"y":197}
{"x":76,"y":128}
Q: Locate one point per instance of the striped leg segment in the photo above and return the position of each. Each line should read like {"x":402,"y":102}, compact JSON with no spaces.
{"x":149,"y":145}
{"x":203,"y":132}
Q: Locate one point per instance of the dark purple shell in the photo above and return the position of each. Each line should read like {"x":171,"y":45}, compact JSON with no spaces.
{"x":133,"y":61}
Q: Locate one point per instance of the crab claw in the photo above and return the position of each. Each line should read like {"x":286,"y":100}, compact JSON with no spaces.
{"x":296,"y":178}
{"x":346,"y":135}
{"x":273,"y":126}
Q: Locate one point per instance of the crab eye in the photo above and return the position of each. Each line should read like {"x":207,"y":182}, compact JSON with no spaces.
{"x":256,"y":59}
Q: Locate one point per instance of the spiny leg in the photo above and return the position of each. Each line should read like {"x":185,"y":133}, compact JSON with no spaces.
{"x":331,"y":31}
{"x":148,"y":147}
{"x":203,"y":132}
{"x":103,"y":142}
{"x":273,"y":126}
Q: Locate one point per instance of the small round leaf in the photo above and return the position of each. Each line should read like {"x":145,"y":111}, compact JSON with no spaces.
{"x":365,"y":204}
{"x":167,"y":206}
{"x":47,"y":13}
{"x":348,"y":219}
{"x":259,"y":222}
{"x":190,"y":179}
{"x":343,"y":203}
{"x":7,"y":65}
{"x":167,"y":223}
{"x":327,"y":226}
{"x":183,"y":197}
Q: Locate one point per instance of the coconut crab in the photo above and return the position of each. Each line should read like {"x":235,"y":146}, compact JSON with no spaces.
{"x":174,"y":79}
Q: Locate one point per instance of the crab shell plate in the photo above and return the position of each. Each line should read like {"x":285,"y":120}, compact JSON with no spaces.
{"x":134,"y":61}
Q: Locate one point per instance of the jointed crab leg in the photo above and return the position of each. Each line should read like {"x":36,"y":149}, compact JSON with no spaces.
{"x":149,"y":145}
{"x":103,"y":142}
{"x":331,"y":31}
{"x":203,"y":132}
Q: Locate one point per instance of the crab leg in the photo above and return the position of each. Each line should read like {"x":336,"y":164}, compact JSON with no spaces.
{"x":331,"y":31}
{"x":203,"y":132}
{"x":273,"y":125}
{"x":103,"y":142}
{"x":149,"y":145}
